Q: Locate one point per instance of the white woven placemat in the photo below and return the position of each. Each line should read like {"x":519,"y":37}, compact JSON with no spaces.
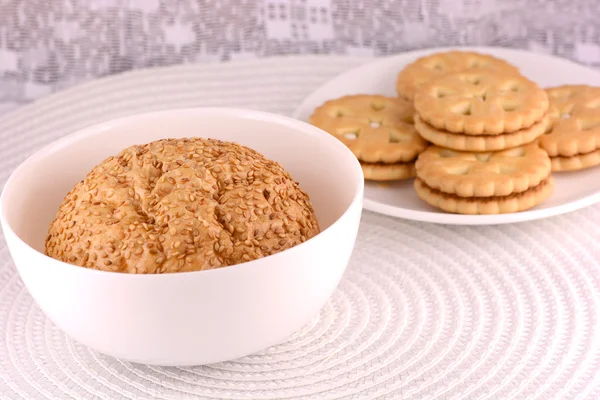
{"x":424,"y":311}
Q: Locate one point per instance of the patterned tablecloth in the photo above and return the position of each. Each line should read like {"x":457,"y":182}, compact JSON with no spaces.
{"x":424,"y":311}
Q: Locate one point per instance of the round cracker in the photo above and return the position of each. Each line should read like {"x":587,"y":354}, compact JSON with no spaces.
{"x":470,"y":174}
{"x":574,"y":133}
{"x":481,"y":102}
{"x":436,"y":65}
{"x":377,"y":129}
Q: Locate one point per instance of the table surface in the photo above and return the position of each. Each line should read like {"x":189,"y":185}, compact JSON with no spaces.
{"x":6,"y":107}
{"x":423,"y":312}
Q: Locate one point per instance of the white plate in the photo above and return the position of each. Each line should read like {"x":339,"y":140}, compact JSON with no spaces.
{"x":573,"y":190}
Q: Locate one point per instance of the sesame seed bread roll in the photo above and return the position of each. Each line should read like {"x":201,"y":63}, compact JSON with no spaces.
{"x":180,"y":205}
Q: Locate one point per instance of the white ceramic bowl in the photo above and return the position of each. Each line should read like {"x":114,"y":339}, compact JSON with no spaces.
{"x":187,"y":318}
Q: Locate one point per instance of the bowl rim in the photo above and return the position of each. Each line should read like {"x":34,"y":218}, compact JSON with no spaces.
{"x":100,"y":127}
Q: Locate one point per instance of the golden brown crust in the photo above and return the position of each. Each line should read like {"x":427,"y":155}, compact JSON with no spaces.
{"x":481,"y":102}
{"x":576,"y":162}
{"x":568,"y":99}
{"x":180,"y":205}
{"x":435,"y":65}
{"x":469,"y":174}
{"x":486,"y":205}
{"x":388,"y":172}
{"x":377,"y":129}
{"x":575,"y":123}
{"x":458,"y":141}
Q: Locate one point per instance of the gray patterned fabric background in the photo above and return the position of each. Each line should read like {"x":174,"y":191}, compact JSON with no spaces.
{"x":46,"y":45}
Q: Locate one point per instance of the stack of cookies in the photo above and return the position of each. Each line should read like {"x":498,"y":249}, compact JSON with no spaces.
{"x":482,"y":122}
{"x":479,"y":137}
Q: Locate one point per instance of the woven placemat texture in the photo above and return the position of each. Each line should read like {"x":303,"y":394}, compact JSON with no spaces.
{"x":424,"y":311}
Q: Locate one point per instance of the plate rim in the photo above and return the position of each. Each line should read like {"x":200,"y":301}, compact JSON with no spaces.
{"x":450,"y":218}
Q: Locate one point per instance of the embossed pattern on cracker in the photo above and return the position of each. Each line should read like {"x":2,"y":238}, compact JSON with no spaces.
{"x":469,"y":174}
{"x":481,"y":102}
{"x":573,"y":139}
{"x":462,"y":142}
{"x":435,"y":65}
{"x":377,"y":129}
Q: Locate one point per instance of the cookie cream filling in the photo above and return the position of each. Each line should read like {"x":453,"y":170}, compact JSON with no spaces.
{"x":575,"y":155}
{"x":531,"y":190}
{"x":384,"y":165}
